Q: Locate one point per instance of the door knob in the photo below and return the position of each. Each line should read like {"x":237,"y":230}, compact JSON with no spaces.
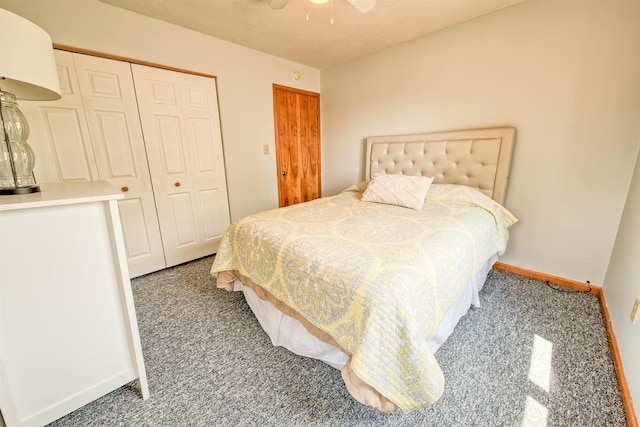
{"x":177,"y":184}
{"x":125,"y":189}
{"x":284,"y":173}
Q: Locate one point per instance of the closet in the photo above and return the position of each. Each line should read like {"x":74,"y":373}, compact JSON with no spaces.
{"x":152,"y":133}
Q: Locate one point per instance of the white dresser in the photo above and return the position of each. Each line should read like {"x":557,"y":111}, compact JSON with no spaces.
{"x":68,"y":328}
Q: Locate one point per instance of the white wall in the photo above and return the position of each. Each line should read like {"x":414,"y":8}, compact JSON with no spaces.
{"x":563,"y":73}
{"x":622,"y":287}
{"x":244,"y":79}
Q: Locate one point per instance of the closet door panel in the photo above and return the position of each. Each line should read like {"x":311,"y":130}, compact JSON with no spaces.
{"x":200,"y":130}
{"x":200,"y":109}
{"x":59,"y":134}
{"x":185,"y":229}
{"x":165,"y":139}
{"x":113,"y":128}
{"x":135,"y":229}
{"x":112,"y":114}
{"x":168,"y":131}
{"x":169,"y":166}
{"x":66,"y":141}
{"x":213,"y":202}
{"x":180,"y":121}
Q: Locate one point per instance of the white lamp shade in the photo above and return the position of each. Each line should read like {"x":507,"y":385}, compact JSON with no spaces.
{"x":27,"y":65}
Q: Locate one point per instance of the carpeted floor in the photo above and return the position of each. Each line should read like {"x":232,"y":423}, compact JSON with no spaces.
{"x":210,"y":364}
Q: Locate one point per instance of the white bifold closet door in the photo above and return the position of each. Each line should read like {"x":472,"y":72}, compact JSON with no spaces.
{"x":111,"y":110}
{"x":94,"y":133}
{"x":158,"y":141}
{"x":180,"y":121}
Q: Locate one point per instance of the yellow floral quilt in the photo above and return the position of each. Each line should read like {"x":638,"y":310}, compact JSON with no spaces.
{"x":377,"y":278}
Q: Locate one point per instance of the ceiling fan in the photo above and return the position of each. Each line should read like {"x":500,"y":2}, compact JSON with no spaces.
{"x":363,"y":6}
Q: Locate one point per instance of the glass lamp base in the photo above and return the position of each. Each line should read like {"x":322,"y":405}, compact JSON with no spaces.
{"x":19,"y":190}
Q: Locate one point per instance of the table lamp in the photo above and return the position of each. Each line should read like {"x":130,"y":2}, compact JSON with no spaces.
{"x":27,"y":71}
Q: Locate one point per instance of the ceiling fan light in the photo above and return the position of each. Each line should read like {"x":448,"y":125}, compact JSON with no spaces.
{"x":277,"y":4}
{"x":363,"y":6}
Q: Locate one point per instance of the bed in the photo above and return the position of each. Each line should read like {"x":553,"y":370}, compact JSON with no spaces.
{"x":374,"y":279}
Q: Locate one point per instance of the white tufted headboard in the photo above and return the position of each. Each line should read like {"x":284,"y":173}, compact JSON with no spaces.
{"x":479,"y":158}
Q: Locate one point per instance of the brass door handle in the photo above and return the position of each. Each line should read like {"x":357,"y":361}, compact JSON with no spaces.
{"x":284,"y":173}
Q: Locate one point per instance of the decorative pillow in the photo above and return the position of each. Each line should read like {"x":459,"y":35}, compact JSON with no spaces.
{"x":401,"y":190}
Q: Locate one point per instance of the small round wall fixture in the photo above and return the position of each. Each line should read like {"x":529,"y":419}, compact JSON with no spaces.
{"x":297,"y":76}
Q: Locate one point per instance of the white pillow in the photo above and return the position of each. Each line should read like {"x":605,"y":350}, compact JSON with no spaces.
{"x":400,"y":190}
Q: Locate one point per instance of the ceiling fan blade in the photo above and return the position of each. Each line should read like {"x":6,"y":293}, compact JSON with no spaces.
{"x":363,"y":6}
{"x":277,"y":4}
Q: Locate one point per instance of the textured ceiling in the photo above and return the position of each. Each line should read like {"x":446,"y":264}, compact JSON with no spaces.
{"x":286,"y":33}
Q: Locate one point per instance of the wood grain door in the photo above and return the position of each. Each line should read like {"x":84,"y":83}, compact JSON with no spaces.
{"x":297,"y":128}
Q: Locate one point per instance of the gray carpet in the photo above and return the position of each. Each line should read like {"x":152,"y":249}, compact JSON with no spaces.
{"x":210,"y":364}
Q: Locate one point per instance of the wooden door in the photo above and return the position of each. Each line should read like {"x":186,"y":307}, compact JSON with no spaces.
{"x":180,"y":122}
{"x":297,"y":128}
{"x":116,"y":136}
